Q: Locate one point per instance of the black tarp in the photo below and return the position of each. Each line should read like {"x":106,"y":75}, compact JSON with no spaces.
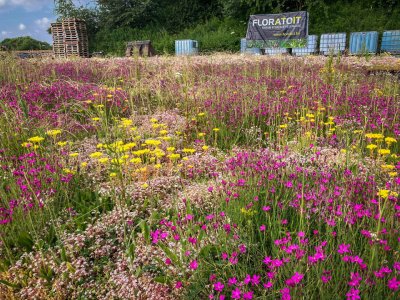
{"x":279,"y":30}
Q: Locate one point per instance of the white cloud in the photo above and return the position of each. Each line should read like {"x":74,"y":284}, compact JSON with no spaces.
{"x":21,"y":27}
{"x":26,"y":4}
{"x":4,"y":33}
{"x":43,"y":23}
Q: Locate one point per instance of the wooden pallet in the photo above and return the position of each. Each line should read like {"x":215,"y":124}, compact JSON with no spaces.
{"x":70,"y":38}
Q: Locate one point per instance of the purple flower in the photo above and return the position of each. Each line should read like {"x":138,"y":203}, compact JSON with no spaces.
{"x":248,"y":295}
{"x":218,"y":286}
{"x":344,"y":248}
{"x":285,"y":292}
{"x":232,"y":281}
{"x":353,"y":294}
{"x":236,"y":294}
{"x":394,"y":284}
{"x":295,"y":279}
{"x":193,"y":265}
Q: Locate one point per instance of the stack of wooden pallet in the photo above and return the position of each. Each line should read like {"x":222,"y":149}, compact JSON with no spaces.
{"x":58,"y":39}
{"x":70,"y":38}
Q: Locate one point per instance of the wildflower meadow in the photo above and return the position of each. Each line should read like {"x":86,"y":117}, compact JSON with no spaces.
{"x":205,"y":177}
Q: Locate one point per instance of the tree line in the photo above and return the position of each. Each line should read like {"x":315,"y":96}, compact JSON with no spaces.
{"x":113,"y":22}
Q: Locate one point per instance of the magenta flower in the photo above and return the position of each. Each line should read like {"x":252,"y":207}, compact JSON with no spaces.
{"x":285,"y":293}
{"x":178,"y":285}
{"x":168,"y":261}
{"x":353,"y":294}
{"x":268,"y":285}
{"x":394,"y":284}
{"x":266,"y":208}
{"x":262,"y":227}
{"x":295,"y":279}
{"x":232,"y":281}
{"x":344,"y":248}
{"x":218,"y":286}
{"x":193,"y":265}
{"x":236,"y":294}
{"x":248,"y":295}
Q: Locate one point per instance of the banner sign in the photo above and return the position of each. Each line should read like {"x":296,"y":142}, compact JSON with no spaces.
{"x":285,"y":30}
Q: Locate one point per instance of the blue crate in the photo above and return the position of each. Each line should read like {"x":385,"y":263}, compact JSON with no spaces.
{"x":391,"y":41}
{"x":311,"y":48}
{"x":332,"y":43}
{"x":363,"y":42}
{"x":186,"y":47}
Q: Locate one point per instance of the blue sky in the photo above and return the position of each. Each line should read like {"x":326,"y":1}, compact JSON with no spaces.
{"x":27,"y":17}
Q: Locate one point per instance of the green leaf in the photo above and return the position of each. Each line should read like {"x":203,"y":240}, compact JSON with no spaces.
{"x":12,"y":285}
{"x":162,"y":279}
{"x":170,"y":254}
{"x":145,"y":230}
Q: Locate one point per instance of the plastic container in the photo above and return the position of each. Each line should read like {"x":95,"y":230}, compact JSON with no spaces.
{"x":363,"y":42}
{"x":332,"y":43}
{"x":275,"y":51}
{"x":312,"y":47}
{"x":186,"y":47}
{"x":391,"y":41}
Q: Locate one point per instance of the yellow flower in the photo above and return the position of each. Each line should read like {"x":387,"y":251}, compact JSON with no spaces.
{"x":390,"y":140}
{"x":205,"y":148}
{"x":145,"y":185}
{"x":159,"y":153}
{"x":201,"y":134}
{"x":384,"y":151}
{"x":96,"y":155}
{"x":388,"y":167}
{"x":174,"y":156}
{"x":117,"y":161}
{"x":152,"y":142}
{"x":62,"y":144}
{"x":74,"y":154}
{"x":36,"y":139}
{"x":189,"y":150}
{"x":103,"y":160}
{"x":68,"y":171}
{"x":357,"y":131}
{"x":84,"y":164}
{"x":374,"y":136}
{"x":372,"y":146}
{"x":128,"y":146}
{"x":343,"y":150}
{"x":171,"y":149}
{"x":392,"y":174}
{"x":53,"y":132}
{"x":163,"y":132}
{"x":216,"y":129}
{"x":201,"y":114}
{"x":95,"y":119}
{"x":166,"y":138}
{"x":283,"y":126}
{"x":310,"y":116}
{"x":136,"y":160}
{"x":26,"y":145}
{"x":178,"y":132}
{"x":185,"y":158}
{"x":386,"y":193}
{"x":153,"y":120}
{"x":157,"y":166}
{"x":113,"y":174}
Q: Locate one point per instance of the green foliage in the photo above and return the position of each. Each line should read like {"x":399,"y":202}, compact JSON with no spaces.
{"x":111,"y":23}
{"x":24,"y":43}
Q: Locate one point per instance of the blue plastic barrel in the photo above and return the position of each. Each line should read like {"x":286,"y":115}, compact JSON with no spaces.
{"x":391,"y":41}
{"x":186,"y":47}
{"x":363,"y":42}
{"x":311,"y":48}
{"x":332,"y":43}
